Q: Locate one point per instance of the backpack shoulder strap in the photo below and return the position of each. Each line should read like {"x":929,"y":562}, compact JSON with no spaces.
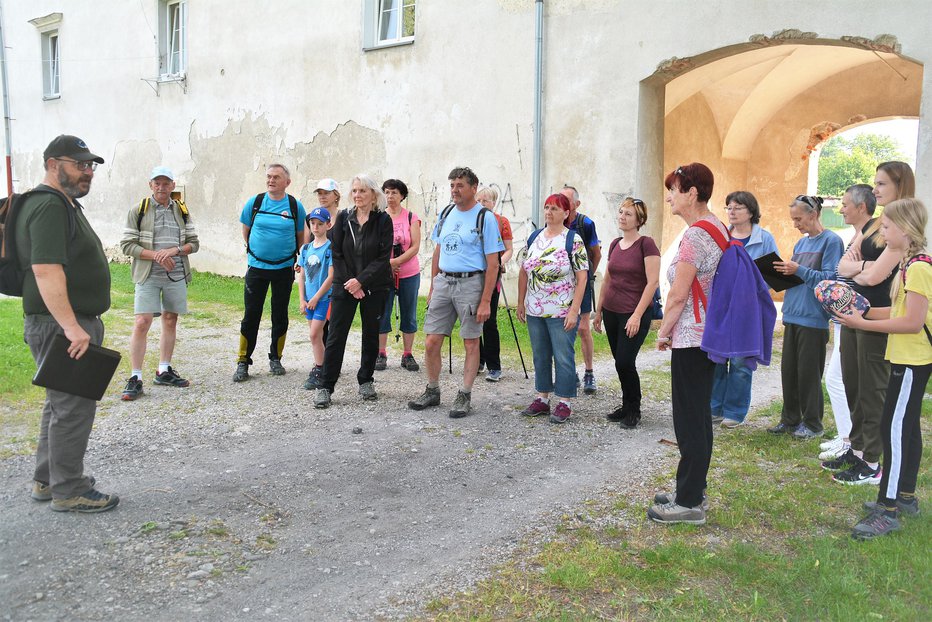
{"x":141,"y":211}
{"x":713,"y":232}
{"x":256,"y":205}
{"x":699,"y":296}
{"x":183,"y":209}
{"x":293,"y":204}
{"x":570,"y":240}
{"x":920,"y":257}
{"x":533,"y":236}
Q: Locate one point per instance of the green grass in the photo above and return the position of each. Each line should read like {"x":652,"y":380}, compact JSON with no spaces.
{"x":776,"y":547}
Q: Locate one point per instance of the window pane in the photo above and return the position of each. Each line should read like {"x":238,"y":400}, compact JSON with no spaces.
{"x":53,"y":64}
{"x":407,"y":26}
{"x":174,"y":28}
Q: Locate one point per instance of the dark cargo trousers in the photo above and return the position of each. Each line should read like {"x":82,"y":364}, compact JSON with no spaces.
{"x":865,"y":373}
{"x":66,"y":419}
{"x":801,"y":372}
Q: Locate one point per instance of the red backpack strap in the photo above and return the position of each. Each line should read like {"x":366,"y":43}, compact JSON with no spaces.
{"x":920,"y":257}
{"x":698,"y":294}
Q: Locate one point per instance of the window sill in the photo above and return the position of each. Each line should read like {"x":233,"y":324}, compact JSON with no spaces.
{"x":48,"y":98}
{"x":175,"y":77}
{"x":388,"y":44}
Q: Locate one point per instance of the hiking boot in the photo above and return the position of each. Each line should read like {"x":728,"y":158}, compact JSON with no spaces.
{"x":430,"y":397}
{"x":242,"y":372}
{"x":630,"y":421}
{"x":835,"y":451}
{"x":133,"y":389}
{"x":536,"y":408}
{"x":461,"y":405}
{"x":662,"y":498}
{"x":858,"y":474}
{"x":170,"y":378}
{"x":313,"y":378}
{"x":90,"y":502}
{"x":842,"y":462}
{"x":617,"y":415}
{"x":275,"y":366}
{"x":782,"y":428}
{"x":381,"y":362}
{"x":671,"y":513}
{"x":803,"y":433}
{"x":873,"y":525}
{"x":561,"y":413}
{"x":408,"y":362}
{"x":367,"y":391}
{"x":588,"y":383}
{"x":41,"y":491}
{"x":494,"y":375}
{"x":907,"y":508}
{"x":731,"y":424}
{"x":322,"y":398}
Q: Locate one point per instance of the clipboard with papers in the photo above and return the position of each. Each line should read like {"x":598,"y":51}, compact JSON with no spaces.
{"x":88,"y":376}
{"x":777,"y":281}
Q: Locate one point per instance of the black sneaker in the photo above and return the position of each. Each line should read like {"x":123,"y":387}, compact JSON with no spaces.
{"x":907,"y":508}
{"x":842,"y":462}
{"x":133,"y":389}
{"x":242,"y":372}
{"x":275,"y":366}
{"x":171,"y":378}
{"x":874,"y":525}
{"x":381,"y":362}
{"x":90,"y":502}
{"x":589,"y":386}
{"x":782,"y":428}
{"x":630,"y":421}
{"x":313,"y":378}
{"x":860,"y":473}
{"x":408,"y":362}
{"x":617,"y":415}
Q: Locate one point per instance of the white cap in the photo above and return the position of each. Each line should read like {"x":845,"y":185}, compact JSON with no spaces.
{"x":328,"y":184}
{"x":161,"y":171}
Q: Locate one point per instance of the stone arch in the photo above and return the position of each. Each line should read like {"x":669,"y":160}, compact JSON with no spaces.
{"x":754,"y":113}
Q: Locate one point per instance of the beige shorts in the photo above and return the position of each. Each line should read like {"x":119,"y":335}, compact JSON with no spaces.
{"x":452,"y":299}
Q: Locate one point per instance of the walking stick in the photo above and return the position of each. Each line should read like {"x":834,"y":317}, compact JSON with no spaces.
{"x":450,"y":350}
{"x":397,"y":304}
{"x":514,"y":332}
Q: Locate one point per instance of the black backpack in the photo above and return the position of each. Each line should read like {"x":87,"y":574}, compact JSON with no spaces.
{"x":256,"y":206}
{"x":11,"y":274}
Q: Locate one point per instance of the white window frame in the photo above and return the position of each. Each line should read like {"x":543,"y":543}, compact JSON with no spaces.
{"x":173,"y":39}
{"x":375,"y":14}
{"x":51,"y":65}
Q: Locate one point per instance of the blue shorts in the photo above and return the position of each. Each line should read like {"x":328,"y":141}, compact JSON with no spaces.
{"x":319,"y":312}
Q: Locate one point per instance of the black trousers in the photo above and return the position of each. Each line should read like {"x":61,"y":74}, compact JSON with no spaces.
{"x":342,"y":310}
{"x":257,"y":287}
{"x":801,"y":372}
{"x":902,"y":436}
{"x":490,"y":346}
{"x":691,"y":374}
{"x":625,"y":351}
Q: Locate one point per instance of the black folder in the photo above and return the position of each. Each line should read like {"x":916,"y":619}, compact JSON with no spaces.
{"x":777,"y":281}
{"x":87,"y":376}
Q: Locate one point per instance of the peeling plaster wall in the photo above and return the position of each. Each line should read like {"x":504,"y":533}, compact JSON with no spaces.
{"x":462,"y":94}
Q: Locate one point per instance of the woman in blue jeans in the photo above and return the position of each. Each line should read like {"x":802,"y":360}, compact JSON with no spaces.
{"x":731,"y":389}
{"x":551,"y":286}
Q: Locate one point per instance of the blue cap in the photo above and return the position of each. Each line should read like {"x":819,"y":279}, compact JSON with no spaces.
{"x":320,"y":213}
{"x":161,"y":171}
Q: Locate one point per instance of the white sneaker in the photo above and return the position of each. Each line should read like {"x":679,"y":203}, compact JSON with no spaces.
{"x":831,"y":443}
{"x":835,"y":452}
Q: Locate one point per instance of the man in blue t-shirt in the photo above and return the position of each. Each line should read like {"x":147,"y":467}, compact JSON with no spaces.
{"x":585,"y":227}
{"x":273,"y":227}
{"x":464,"y":270}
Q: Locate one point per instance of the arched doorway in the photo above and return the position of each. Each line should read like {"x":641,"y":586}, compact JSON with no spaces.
{"x":755,"y":112}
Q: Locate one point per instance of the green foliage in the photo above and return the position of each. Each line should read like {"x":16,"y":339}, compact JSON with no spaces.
{"x":844,"y":162}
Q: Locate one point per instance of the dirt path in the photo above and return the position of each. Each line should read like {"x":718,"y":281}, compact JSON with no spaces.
{"x":243,"y":502}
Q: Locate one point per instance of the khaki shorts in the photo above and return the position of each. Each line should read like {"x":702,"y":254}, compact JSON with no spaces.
{"x":454,"y":299}
{"x":160,"y":295}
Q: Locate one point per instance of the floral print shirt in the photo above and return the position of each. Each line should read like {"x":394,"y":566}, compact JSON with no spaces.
{"x":551,"y":274}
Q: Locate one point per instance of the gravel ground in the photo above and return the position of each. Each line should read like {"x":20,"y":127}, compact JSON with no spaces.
{"x":241,"y":501}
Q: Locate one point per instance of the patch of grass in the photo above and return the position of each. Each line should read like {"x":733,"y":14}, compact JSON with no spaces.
{"x":776,"y":547}
{"x":148,"y":527}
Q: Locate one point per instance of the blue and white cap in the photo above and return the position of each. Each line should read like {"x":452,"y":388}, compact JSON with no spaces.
{"x":320,"y":213}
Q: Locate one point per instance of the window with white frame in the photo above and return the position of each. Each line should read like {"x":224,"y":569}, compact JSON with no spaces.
{"x":173,"y":44}
{"x":388,"y":22}
{"x":51,"y":76}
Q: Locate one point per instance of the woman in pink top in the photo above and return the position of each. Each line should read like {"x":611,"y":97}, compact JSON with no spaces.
{"x":630,"y":282}
{"x":407,"y":271}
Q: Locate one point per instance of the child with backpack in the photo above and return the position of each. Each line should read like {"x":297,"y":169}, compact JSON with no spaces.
{"x":909,"y":351}
{"x":314,"y":280}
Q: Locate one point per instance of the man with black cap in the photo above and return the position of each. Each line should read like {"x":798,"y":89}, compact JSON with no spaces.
{"x":65,"y":291}
{"x":159,"y":234}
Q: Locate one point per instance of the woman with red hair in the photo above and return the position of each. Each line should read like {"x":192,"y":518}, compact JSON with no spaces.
{"x":551,"y":286}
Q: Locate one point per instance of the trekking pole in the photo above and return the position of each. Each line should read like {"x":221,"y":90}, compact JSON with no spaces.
{"x":397,"y":305}
{"x":513,"y":331}
{"x":450,"y":350}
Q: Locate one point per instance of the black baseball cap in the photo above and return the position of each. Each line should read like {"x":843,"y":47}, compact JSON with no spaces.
{"x":68,"y":146}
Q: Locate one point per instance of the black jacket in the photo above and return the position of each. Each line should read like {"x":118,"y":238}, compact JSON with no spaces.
{"x":367,"y":258}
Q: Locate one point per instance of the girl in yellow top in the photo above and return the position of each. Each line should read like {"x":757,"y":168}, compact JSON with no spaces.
{"x":909,"y":350}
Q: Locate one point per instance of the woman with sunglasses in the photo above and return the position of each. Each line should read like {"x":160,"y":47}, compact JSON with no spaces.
{"x":731,"y":390}
{"x":805,"y":322}
{"x":691,"y":372}
{"x":631,"y":279}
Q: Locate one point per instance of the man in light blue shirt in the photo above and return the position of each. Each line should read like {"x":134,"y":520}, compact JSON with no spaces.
{"x":273,"y":228}
{"x":464,"y":270}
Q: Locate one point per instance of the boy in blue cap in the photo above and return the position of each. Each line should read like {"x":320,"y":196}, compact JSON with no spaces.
{"x":314,"y":282}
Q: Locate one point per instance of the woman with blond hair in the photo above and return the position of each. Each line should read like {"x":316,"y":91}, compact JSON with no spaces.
{"x":490,"y":344}
{"x":631,"y":278}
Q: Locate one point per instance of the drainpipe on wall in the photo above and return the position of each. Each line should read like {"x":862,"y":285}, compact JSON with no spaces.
{"x":6,"y":110}
{"x":538,"y":114}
